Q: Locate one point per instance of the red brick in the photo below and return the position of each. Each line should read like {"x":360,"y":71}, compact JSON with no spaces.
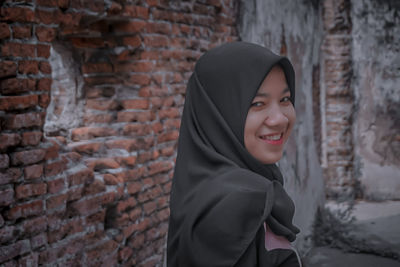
{"x":28,"y":67}
{"x":16,"y":86}
{"x":140,"y":79}
{"x":17,"y":14}
{"x":101,"y":104}
{"x":18,"y":102}
{"x":18,"y":50}
{"x":86,"y":148}
{"x":10,"y":175}
{"x":132,"y":41}
{"x":31,"y":138}
{"x":71,"y":227}
{"x":55,"y":202}
{"x":138,"y":66}
{"x":136,"y":11}
{"x":169,"y":113}
{"x":84,"y":207}
{"x":167,"y":151}
{"x":10,"y":251}
{"x":160,"y":166}
{"x":52,"y":151}
{"x":155,"y":41}
{"x":81,"y":177}
{"x":44,"y":84}
{"x":135,"y":116}
{"x":4,"y":31}
{"x":9,"y":140}
{"x":127,"y":204}
{"x":7,"y":234}
{"x":27,"y":157}
{"x":135,"y":104}
{"x":124,"y":253}
{"x":96,"y":218}
{"x":6,"y":197}
{"x":130,"y":26}
{"x":56,"y":185}
{"x":97,"y":118}
{"x":33,"y":171}
{"x":110,"y":179}
{"x":99,"y":251}
{"x":8,"y":68}
{"x":46,"y":17}
{"x":126,"y":144}
{"x":169,"y":136}
{"x":54,"y":168}
{"x":97,"y":67}
{"x":4,"y":161}
{"x":45,"y":67}
{"x":24,"y":210}
{"x":25,"y":120}
{"x":100,"y":164}
{"x":137,"y":242}
{"x":136,"y":129}
{"x":28,"y":190}
{"x":44,"y":100}
{"x":43,"y":50}
{"x":36,"y":242}
{"x":133,"y":187}
{"x":20,"y":32}
{"x":94,"y":187}
{"x":86,"y":133}
{"x":75,"y":193}
{"x":159,"y":27}
{"x":45,"y":34}
{"x":126,"y":161}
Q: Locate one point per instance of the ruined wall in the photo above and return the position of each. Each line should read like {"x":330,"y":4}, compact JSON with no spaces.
{"x":90,"y":105}
{"x":376,"y":64}
{"x":293,"y":28}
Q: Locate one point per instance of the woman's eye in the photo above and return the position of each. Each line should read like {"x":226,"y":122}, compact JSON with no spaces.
{"x":285,"y":99}
{"x":257,"y":104}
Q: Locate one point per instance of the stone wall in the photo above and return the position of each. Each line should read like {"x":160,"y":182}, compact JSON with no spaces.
{"x":376,"y":68}
{"x":90,"y":105}
{"x":292,"y":28}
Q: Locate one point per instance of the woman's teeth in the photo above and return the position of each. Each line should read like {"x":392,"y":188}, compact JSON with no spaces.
{"x":272,"y":137}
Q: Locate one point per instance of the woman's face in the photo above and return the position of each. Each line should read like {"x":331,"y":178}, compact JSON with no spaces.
{"x":270,"y":118}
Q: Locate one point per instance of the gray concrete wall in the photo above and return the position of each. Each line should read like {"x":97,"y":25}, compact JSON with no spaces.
{"x":293,"y":28}
{"x":376,"y":82}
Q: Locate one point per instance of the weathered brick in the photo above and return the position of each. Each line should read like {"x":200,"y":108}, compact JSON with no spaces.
{"x":9,"y":140}
{"x":8,"y":68}
{"x":86,"y":133}
{"x":43,"y":50}
{"x":134,"y":187}
{"x":101,"y":104}
{"x":45,"y":67}
{"x":37,"y":242}
{"x":95,"y":187}
{"x":135,"y":116}
{"x":135,"y":104}
{"x":45,"y":34}
{"x":168,"y":136}
{"x":33,"y":226}
{"x":80,"y":177}
{"x":4,"y":161}
{"x":28,"y":190}
{"x":55,"y":202}
{"x":99,"y":67}
{"x":28,"y":67}
{"x":4,"y":31}
{"x":140,"y":79}
{"x":44,"y":84}
{"x":6,"y":197}
{"x":23,"y":31}
{"x":27,"y":157}
{"x":155,"y":41}
{"x":24,"y":210}
{"x":56,"y":185}
{"x":132,"y":41}
{"x":136,"y":129}
{"x":86,"y":148}
{"x":18,"y":102}
{"x":160,"y":166}
{"x":18,"y":50}
{"x":25,"y":120}
{"x":16,"y":86}
{"x":18,"y":248}
{"x":8,"y":233}
{"x":54,"y":168}
{"x":31,"y":138}
{"x":17,"y":14}
{"x":100,"y":164}
{"x":10,"y":175}
{"x":84,"y":207}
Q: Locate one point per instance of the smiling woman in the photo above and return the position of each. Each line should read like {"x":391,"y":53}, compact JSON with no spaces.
{"x":228,"y":205}
{"x":270,"y":118}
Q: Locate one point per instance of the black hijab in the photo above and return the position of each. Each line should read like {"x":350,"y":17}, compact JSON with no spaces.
{"x":221,"y":195}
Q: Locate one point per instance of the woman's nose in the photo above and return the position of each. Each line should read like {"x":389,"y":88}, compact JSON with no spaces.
{"x":276,"y":117}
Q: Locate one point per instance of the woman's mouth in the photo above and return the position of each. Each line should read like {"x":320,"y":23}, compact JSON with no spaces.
{"x":273,"y":139}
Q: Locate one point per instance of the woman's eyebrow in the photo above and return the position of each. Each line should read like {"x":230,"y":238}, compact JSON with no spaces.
{"x":284,"y":91}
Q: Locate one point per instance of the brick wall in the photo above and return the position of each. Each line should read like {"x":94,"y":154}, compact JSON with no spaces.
{"x":338,"y":99}
{"x":90,"y":105}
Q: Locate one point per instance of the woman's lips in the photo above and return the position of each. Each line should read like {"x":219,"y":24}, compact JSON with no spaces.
{"x":273,"y":139}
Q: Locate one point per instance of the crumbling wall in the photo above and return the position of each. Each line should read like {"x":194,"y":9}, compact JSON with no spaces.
{"x":376,"y":63}
{"x":292,"y":28}
{"x":90,"y":106}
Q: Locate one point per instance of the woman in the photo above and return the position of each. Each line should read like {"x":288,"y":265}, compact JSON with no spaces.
{"x":228,"y":206}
